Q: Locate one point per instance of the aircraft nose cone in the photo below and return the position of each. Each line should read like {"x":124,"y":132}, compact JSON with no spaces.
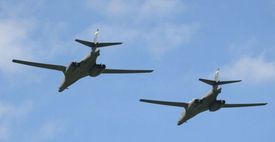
{"x":60,"y":90}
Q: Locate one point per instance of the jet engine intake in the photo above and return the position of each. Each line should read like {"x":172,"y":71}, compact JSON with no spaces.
{"x":216,"y":105}
{"x":101,"y":66}
{"x":98,"y":69}
{"x":75,"y":64}
{"x":197,"y":101}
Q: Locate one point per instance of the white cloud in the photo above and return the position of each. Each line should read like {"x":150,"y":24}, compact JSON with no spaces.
{"x":4,"y":134}
{"x":11,"y":114}
{"x":15,"y":31}
{"x":158,"y":39}
{"x":48,"y":131}
{"x":19,"y":29}
{"x":162,"y":39}
{"x":252,"y":69}
{"x":161,"y":7}
{"x":19,"y":9}
{"x":8,"y":110}
{"x":137,"y":9}
{"x":13,"y":42}
{"x":149,"y":24}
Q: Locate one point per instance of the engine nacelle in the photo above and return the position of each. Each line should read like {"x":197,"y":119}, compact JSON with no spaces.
{"x":222,"y":102}
{"x":197,"y":101}
{"x":75,"y":64}
{"x":216,"y":105}
{"x":72,"y":67}
{"x":101,"y":66}
{"x":98,"y":69}
{"x":97,"y":53}
{"x":219,"y":90}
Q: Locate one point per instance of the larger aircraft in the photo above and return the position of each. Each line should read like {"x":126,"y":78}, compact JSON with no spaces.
{"x":208,"y":102}
{"x":87,"y":67}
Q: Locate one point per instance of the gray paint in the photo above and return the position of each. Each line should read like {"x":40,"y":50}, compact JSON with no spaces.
{"x":208,"y":102}
{"x":86,"y":67}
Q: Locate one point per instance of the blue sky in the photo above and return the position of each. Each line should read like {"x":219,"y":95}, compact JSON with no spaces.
{"x":180,"y":40}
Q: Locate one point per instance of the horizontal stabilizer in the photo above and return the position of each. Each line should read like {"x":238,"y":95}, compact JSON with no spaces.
{"x":242,"y":105}
{"x":213,"y":82}
{"x":177,"y":104}
{"x":97,"y":44}
{"x":41,"y":65}
{"x":119,"y":71}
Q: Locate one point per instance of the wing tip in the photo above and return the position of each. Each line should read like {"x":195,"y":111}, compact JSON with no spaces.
{"x":145,"y":100}
{"x":141,"y":100}
{"x":260,"y":104}
{"x":16,"y":61}
{"x":149,"y":71}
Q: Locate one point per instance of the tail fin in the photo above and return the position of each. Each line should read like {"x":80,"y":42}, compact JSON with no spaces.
{"x":95,"y":44}
{"x":217,"y":75}
{"x":96,"y":36}
{"x":217,"y":81}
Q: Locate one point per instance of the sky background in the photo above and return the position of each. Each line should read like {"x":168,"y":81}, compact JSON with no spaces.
{"x":181,"y":40}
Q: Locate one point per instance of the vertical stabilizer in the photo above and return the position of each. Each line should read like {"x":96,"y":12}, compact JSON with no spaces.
{"x":95,"y":44}
{"x":217,"y":75}
{"x":96,"y":36}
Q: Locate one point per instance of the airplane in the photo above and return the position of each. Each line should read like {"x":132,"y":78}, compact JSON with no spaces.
{"x":86,"y":67}
{"x":208,"y":102}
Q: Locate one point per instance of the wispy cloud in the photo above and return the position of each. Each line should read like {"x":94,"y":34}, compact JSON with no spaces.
{"x":4,"y":134}
{"x":13,"y":42}
{"x":137,"y":9}
{"x":48,"y":131}
{"x":252,"y":69}
{"x":15,"y":30}
{"x":148,"y":23}
{"x":250,"y":62}
{"x":158,"y":39}
{"x":19,"y":9}
{"x":12,"y":115}
{"x":19,"y":29}
{"x":162,"y":39}
{"x":9,"y":115}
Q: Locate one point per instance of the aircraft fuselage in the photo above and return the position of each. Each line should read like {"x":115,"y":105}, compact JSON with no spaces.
{"x":78,"y":70}
{"x":208,"y":102}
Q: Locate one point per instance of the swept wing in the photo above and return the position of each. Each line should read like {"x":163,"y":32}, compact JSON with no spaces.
{"x":121,"y":71}
{"x":242,"y":105}
{"x":177,"y":104}
{"x":41,"y":65}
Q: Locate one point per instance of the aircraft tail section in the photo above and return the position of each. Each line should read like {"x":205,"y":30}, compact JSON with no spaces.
{"x":214,"y":82}
{"x":95,"y":44}
{"x":217,"y":81}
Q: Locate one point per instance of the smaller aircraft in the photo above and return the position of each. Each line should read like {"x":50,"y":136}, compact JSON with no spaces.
{"x":208,"y":102}
{"x":86,"y":67}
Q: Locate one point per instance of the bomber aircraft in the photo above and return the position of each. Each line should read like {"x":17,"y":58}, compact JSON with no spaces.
{"x":208,"y":102}
{"x":87,"y":67}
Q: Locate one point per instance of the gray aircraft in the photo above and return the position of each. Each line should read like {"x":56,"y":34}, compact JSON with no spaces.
{"x":86,"y":67}
{"x":208,"y":102}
